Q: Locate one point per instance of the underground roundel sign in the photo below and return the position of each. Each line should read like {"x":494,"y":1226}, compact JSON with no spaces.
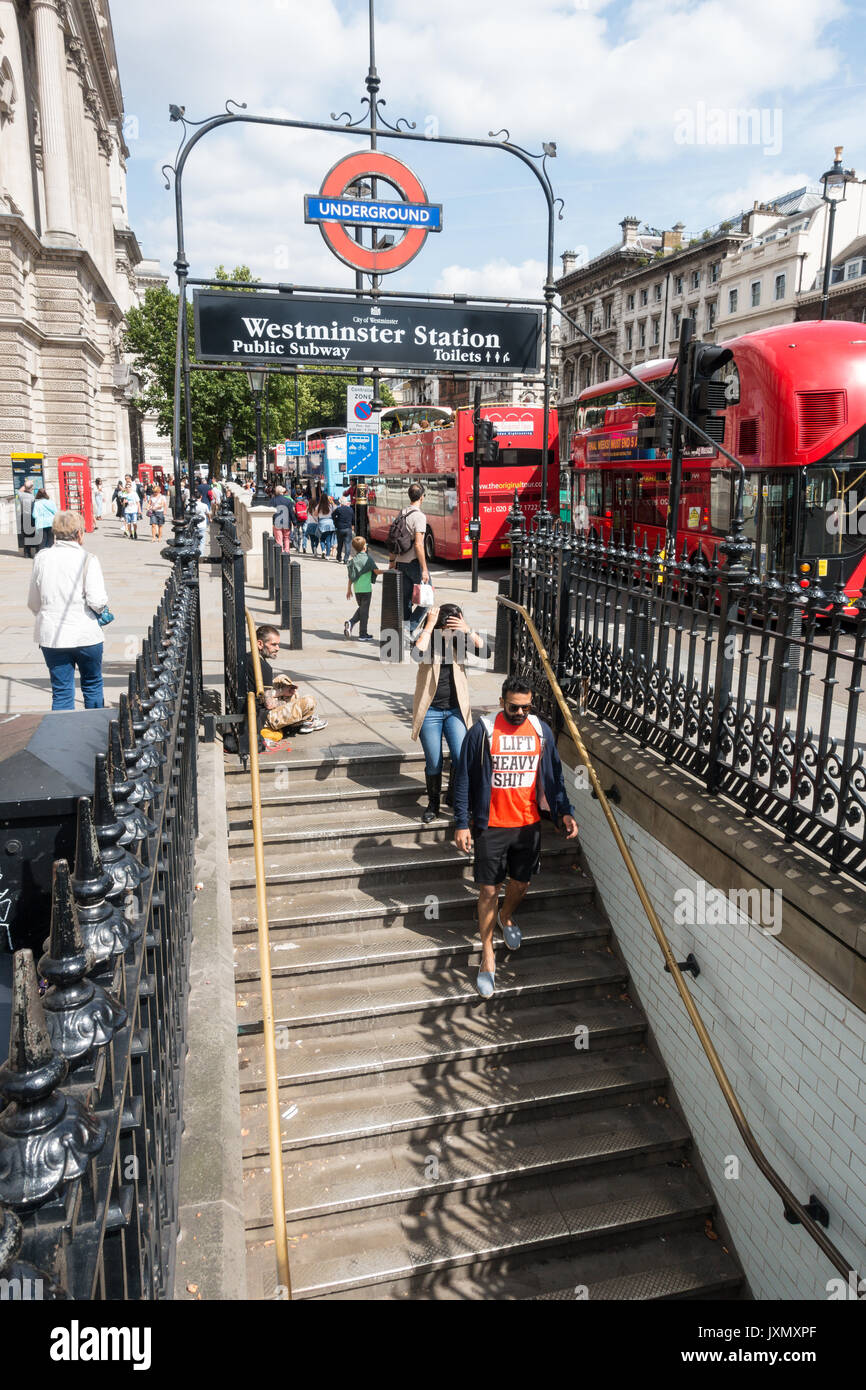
{"x":407,"y":222}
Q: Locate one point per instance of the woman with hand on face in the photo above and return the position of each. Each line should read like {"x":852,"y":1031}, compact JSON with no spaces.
{"x":442,"y":706}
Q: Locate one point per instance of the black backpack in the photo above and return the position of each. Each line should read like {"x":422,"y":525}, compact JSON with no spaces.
{"x":401,"y":537}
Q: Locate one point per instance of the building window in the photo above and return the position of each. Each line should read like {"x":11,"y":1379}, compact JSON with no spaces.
{"x":780,"y":286}
{"x":587,"y":319}
{"x":837,"y":274}
{"x":711,"y":314}
{"x":641,"y":334}
{"x":733,"y":296}
{"x":756,"y":293}
{"x":677,"y":318}
{"x":852,"y":270}
{"x":608,"y":313}
{"x":715,"y":271}
{"x":656,"y":328}
{"x":657,"y":292}
{"x":629,"y":301}
{"x":644,"y":297}
{"x":696,"y":280}
{"x":678,"y":284}
{"x":628,"y":337}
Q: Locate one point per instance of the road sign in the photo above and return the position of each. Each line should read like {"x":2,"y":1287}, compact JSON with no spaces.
{"x":315,"y":332}
{"x":361,"y":418}
{"x":294,"y":448}
{"x":414,"y":217}
{"x":362,"y":455}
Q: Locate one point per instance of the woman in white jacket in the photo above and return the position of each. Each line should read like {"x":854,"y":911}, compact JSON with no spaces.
{"x":67,"y":593}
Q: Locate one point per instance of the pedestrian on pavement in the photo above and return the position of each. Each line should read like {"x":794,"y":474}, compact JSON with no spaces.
{"x":201,"y":516}
{"x":311,"y":530}
{"x":441,"y":707}
{"x":326,"y":525}
{"x":306,"y":720}
{"x":98,"y":501}
{"x":67,"y":594}
{"x":300,"y":503}
{"x":26,"y":529}
{"x":343,"y":518}
{"x":156,"y":511}
{"x":362,"y":576}
{"x":44,"y":511}
{"x":406,"y":543}
{"x":117,"y":499}
{"x":508,"y":775}
{"x":131,"y":508}
{"x":284,"y":518}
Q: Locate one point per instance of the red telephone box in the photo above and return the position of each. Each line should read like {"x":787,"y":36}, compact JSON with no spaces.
{"x":75,"y":488}
{"x":159,"y":475}
{"x":145,"y":474}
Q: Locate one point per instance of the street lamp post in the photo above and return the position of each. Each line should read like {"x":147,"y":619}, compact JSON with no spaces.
{"x":257,"y":386}
{"x":227,"y":449}
{"x":835,"y":182}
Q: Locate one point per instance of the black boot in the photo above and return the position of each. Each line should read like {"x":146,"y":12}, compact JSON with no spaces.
{"x":434,"y":791}
{"x":449,"y":790}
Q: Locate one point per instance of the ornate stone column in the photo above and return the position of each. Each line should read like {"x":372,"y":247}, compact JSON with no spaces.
{"x":51,"y":70}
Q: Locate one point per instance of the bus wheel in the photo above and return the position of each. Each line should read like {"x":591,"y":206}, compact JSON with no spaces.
{"x":429,"y":545}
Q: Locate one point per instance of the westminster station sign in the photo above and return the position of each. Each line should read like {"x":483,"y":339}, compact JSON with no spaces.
{"x":290,"y":329}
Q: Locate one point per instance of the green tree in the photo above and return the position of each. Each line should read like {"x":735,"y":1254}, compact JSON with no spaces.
{"x":218,"y":397}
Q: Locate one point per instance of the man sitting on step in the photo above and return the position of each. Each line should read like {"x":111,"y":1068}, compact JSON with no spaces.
{"x":298,"y":712}
{"x":508,"y":774}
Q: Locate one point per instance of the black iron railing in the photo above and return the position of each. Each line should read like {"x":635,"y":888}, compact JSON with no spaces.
{"x":234,"y":634}
{"x":92,"y":1091}
{"x":755,"y":687}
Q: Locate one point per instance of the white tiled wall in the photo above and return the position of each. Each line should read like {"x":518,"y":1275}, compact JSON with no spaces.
{"x":792,"y":1046}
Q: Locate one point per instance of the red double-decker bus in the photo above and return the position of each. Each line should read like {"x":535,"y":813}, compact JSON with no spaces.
{"x":440,"y":458}
{"x":795,"y":415}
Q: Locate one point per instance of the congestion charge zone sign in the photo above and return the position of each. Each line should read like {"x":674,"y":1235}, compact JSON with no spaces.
{"x":273,"y":328}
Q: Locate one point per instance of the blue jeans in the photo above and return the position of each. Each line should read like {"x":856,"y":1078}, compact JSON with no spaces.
{"x":436,"y":723}
{"x":327,"y":539}
{"x":311,"y":534}
{"x":61,"y":663}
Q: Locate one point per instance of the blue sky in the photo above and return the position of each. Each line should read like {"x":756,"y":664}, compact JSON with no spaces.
{"x":641,"y":98}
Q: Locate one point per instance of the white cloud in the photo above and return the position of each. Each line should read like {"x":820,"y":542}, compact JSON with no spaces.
{"x":762,"y":187}
{"x":497,"y":277}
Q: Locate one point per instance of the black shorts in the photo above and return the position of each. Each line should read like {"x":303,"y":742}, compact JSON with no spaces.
{"x":504,"y":852}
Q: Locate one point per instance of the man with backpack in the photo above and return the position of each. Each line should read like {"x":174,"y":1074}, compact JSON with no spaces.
{"x":508,"y":775}
{"x":406,"y":544}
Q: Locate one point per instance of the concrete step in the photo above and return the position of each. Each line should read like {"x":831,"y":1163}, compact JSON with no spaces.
{"x":416,"y":1050}
{"x":404,"y":1174}
{"x":351,"y":794}
{"x":412,"y":993}
{"x":326,"y":761}
{"x":365,"y":947}
{"x":405,"y":905}
{"x":328,"y":1115}
{"x":334,"y":830}
{"x":308,"y":867}
{"x":680,"y":1265}
{"x":469,"y":1231}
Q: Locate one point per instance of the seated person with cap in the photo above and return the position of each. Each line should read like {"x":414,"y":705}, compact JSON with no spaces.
{"x":283,"y":707}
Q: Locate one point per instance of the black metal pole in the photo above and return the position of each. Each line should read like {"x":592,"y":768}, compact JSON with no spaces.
{"x":825,"y":290}
{"x":474,"y":525}
{"x":260,"y":498}
{"x":268,"y":426}
{"x":687,"y":331}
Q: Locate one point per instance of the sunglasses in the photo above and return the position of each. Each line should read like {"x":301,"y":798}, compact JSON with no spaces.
{"x":512,"y":709}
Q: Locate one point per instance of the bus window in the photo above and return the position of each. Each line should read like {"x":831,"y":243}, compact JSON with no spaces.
{"x":720,"y":502}
{"x":834,"y":511}
{"x":651,"y":507}
{"x":593,"y":493}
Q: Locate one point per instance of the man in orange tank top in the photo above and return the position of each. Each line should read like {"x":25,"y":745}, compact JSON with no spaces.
{"x":509,"y":773}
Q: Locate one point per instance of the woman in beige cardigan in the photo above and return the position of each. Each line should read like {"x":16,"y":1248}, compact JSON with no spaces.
{"x":442,"y":694}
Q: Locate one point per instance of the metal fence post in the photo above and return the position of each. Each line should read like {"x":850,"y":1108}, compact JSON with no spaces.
{"x":266,"y":562}
{"x":286,"y":590}
{"x":732,"y":577}
{"x":391,"y":625}
{"x":296,"y":627}
{"x":277,"y":577}
{"x":269,"y":541}
{"x":503,"y":625}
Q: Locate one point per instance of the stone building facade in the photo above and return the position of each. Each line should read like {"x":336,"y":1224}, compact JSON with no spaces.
{"x":69,"y":262}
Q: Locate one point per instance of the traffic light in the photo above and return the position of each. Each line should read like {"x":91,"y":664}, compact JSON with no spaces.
{"x":486,"y":445}
{"x":707,"y":398}
{"x":657,"y":431}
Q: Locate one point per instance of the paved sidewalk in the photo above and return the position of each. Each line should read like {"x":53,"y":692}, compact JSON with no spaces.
{"x":363,"y":697}
{"x":135,"y":575}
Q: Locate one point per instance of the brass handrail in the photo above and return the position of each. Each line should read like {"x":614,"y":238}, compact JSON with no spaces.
{"x":791,"y":1204}
{"x":278,"y":1192}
